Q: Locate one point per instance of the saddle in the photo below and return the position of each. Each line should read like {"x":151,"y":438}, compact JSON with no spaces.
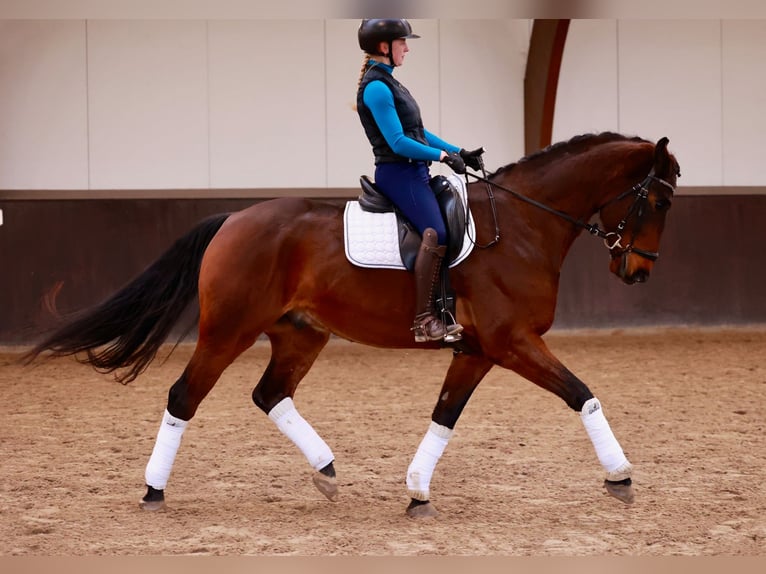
{"x":452,"y":210}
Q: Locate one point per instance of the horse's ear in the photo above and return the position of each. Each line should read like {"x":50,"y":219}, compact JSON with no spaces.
{"x":661,"y":156}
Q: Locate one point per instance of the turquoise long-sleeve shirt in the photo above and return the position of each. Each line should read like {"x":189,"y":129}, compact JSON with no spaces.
{"x":380,"y":101}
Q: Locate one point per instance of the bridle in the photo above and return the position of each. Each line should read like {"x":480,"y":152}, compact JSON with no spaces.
{"x":612,"y":239}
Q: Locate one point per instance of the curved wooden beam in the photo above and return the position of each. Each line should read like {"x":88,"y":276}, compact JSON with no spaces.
{"x":546,"y":48}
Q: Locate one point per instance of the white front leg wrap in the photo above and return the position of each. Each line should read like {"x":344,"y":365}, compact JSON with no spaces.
{"x":607,"y":448}
{"x":295,"y":427}
{"x":165,"y":449}
{"x":422,"y":466}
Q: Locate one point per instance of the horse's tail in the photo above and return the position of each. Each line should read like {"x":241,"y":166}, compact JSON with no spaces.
{"x":129,"y":327}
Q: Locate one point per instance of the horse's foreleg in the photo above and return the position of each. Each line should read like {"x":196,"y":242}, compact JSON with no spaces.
{"x":294,"y":348}
{"x":464,"y":374}
{"x":200,"y":375}
{"x":618,"y":469}
{"x":533,"y":360}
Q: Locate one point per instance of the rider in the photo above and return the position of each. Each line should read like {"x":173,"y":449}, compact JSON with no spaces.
{"x":403,"y":150}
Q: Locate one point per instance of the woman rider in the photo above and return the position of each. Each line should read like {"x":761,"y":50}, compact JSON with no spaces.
{"x":403,"y":150}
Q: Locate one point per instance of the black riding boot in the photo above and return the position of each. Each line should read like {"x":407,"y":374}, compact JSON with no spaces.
{"x":427,"y":326}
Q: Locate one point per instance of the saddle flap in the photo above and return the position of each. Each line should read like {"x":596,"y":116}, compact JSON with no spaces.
{"x":453,"y":211}
{"x":409,"y":242}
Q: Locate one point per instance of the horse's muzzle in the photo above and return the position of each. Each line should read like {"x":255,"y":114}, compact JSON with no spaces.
{"x":631,"y":274}
{"x":640,"y":276}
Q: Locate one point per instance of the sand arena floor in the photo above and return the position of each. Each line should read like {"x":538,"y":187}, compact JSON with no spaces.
{"x":519,"y":477}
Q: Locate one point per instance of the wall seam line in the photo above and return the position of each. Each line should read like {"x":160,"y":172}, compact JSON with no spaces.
{"x":207,"y":102}
{"x":326,"y":112}
{"x":723,"y":90}
{"x":87,"y":107}
{"x":617,"y":61}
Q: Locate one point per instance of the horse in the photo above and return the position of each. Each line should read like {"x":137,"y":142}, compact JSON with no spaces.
{"x":278,"y":268}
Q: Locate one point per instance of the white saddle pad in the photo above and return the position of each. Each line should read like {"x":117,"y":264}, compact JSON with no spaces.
{"x":372,"y":239}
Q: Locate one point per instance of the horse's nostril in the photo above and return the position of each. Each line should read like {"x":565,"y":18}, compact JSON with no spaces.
{"x":641,"y":276}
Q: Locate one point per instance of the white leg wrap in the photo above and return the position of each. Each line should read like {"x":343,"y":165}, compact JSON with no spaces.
{"x":607,"y":448}
{"x":295,"y":427}
{"x":423,"y":464}
{"x":165,"y":449}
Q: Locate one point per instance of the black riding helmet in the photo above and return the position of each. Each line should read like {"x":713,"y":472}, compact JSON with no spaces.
{"x":376,"y":30}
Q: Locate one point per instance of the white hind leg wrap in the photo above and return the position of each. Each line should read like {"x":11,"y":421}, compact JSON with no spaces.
{"x":165,"y":449}
{"x":295,"y":427}
{"x":422,"y":467}
{"x":607,"y":448}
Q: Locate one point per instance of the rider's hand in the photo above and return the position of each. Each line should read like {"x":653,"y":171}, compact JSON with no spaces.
{"x":473,"y":158}
{"x":454,"y":160}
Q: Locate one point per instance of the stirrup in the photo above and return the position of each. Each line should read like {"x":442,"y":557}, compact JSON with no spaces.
{"x":454,"y":329}
{"x":454,"y":337}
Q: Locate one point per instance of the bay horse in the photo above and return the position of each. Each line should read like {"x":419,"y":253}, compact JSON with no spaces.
{"x":279,"y":267}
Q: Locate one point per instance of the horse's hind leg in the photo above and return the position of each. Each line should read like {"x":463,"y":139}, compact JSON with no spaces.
{"x":295,"y":346}
{"x":200,"y":375}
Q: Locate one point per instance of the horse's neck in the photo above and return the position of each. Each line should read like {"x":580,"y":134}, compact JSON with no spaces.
{"x":550,"y":197}
{"x":579,"y":185}
{"x":575,"y":188}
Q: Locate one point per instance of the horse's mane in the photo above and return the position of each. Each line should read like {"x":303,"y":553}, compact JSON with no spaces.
{"x":574,"y":145}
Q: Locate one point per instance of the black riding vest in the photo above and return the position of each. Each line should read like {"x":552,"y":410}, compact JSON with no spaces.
{"x":406,"y":108}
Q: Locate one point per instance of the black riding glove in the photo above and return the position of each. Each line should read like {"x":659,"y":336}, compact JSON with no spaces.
{"x":456,"y":162}
{"x":473,"y":158}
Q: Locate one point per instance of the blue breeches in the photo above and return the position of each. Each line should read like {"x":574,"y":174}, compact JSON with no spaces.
{"x":406,"y":185}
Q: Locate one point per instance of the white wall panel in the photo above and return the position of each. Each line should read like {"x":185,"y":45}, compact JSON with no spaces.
{"x":148,"y":104}
{"x":744,"y":102}
{"x":482,"y":66}
{"x":670,"y":85}
{"x":267,"y":103}
{"x":586,"y":98}
{"x":348,"y":153}
{"x":43,"y":105}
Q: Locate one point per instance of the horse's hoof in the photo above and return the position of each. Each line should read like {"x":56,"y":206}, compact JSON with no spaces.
{"x":419,"y":509}
{"x":153,"y":500}
{"x":152,"y":505}
{"x":622,"y":490}
{"x":327,"y":485}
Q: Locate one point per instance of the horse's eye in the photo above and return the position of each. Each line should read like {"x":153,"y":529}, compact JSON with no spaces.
{"x":662,"y":204}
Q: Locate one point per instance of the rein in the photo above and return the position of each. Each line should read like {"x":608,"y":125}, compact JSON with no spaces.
{"x":612,"y":239}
